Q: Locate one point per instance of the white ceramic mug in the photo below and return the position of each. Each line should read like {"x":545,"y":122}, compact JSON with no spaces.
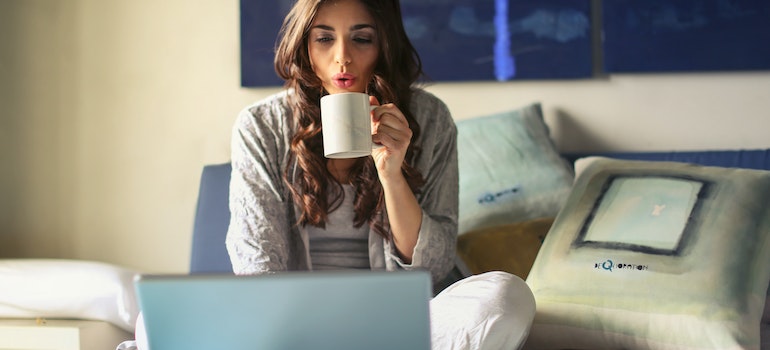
{"x":347,"y":127}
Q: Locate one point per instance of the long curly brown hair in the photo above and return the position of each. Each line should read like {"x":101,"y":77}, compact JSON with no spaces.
{"x":313,"y":187}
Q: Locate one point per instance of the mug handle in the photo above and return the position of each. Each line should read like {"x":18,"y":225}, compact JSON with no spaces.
{"x":374,"y":145}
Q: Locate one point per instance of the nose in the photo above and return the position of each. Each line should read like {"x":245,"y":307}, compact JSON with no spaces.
{"x":342,"y":55}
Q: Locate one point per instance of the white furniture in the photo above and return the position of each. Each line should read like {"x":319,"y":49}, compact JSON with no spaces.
{"x":29,"y":334}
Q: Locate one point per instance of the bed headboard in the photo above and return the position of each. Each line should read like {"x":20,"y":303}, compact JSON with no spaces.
{"x":212,"y":215}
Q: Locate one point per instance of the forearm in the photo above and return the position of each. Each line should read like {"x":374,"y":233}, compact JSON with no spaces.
{"x":405,"y":216}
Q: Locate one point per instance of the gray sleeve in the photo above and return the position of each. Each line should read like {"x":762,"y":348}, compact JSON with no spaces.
{"x":258,"y":235}
{"x":436,"y":244}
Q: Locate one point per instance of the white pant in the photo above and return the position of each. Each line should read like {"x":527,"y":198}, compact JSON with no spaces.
{"x":493,"y":310}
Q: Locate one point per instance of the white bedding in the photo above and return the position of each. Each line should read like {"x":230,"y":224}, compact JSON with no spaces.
{"x":71,"y":289}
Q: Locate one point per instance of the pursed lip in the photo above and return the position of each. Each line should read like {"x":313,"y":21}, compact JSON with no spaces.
{"x":344,"y":80}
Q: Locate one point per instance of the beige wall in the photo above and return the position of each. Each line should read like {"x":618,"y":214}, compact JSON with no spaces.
{"x":109,"y":109}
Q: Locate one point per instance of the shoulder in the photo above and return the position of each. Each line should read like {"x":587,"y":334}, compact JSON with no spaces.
{"x":428,"y":109}
{"x":275,"y":105}
{"x":424,"y":102}
{"x":272,"y":113}
{"x":422,"y":99}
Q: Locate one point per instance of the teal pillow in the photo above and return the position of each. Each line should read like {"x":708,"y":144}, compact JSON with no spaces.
{"x":509,"y":169}
{"x":655,"y":255}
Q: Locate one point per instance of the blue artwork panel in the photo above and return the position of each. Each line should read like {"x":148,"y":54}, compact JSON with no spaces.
{"x":501,"y":39}
{"x":457,"y":40}
{"x":686,"y":35}
{"x":260,"y":22}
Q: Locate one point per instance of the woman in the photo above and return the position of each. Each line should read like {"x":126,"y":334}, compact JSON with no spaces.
{"x":293,"y":209}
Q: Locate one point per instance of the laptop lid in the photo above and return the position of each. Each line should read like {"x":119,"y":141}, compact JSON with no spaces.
{"x":292,"y":310}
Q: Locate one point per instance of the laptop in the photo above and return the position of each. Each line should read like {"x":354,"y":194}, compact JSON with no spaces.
{"x":287,"y":311}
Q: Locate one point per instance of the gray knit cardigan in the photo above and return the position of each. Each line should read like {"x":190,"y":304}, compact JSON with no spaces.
{"x":263,"y":236}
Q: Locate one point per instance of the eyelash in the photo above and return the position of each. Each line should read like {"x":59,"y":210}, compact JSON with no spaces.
{"x":359,"y":40}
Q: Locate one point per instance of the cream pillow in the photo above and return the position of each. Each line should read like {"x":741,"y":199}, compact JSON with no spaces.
{"x":655,"y":255}
{"x":509,"y":169}
{"x":33,"y":288}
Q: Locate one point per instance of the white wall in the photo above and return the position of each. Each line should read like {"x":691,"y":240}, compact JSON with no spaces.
{"x":109,"y":110}
{"x":635,"y":112}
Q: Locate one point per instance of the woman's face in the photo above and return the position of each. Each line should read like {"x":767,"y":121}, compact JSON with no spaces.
{"x":343,"y":46}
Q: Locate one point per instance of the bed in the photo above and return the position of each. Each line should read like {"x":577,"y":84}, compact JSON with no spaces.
{"x":523,"y":207}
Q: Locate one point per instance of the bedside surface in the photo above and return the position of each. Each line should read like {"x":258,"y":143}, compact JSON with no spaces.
{"x":56,"y":334}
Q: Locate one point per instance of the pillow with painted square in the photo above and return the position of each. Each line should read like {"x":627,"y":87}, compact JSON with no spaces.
{"x":655,"y":255}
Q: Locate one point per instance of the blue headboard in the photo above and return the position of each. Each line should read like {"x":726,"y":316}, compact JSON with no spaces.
{"x":212,"y":215}
{"x":749,"y":159}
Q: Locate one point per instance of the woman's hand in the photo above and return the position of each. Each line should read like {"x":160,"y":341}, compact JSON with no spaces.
{"x":391,"y":130}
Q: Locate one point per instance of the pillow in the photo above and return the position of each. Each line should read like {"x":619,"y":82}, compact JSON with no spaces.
{"x":511,"y":247}
{"x":655,"y":255}
{"x":68,"y":289}
{"x":509,"y":169}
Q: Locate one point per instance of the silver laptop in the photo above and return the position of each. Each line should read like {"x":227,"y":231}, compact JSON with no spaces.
{"x":292,"y":311}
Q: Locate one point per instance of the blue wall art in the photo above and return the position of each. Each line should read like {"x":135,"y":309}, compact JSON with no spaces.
{"x":260,"y":22}
{"x":501,"y":39}
{"x":686,"y":35}
{"x":458,"y":40}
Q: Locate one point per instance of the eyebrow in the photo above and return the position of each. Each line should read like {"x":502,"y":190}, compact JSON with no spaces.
{"x":354,"y":27}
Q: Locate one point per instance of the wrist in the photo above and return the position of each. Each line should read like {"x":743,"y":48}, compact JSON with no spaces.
{"x":393,"y":180}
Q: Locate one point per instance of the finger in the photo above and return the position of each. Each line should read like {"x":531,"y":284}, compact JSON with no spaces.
{"x":391,"y":142}
{"x":386,"y":141}
{"x":392,"y":110}
{"x":397,"y":134}
{"x":391,"y":122}
{"x":373,"y":101}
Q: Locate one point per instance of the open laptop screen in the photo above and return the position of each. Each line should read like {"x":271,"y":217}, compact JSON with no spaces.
{"x":292,"y":310}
